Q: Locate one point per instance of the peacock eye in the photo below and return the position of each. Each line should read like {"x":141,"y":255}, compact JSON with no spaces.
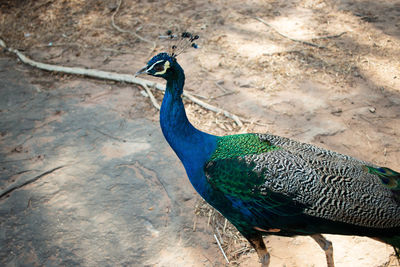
{"x":159,"y":67}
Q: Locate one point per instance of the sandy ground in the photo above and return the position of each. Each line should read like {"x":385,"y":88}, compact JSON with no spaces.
{"x":341,"y":92}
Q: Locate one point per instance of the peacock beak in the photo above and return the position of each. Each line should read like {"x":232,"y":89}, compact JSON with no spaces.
{"x":141,"y":71}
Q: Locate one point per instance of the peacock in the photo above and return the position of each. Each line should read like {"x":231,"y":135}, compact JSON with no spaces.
{"x":270,"y":185}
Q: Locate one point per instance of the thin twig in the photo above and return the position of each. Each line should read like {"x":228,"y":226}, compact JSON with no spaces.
{"x":34,"y":179}
{"x":127,"y":31}
{"x":329,"y":36}
{"x":214,"y":109}
{"x":257,"y":123}
{"x":223,"y":252}
{"x":226,"y":91}
{"x":152,"y":98}
{"x":240,"y":250}
{"x":99,"y":74}
{"x":110,"y":136}
{"x":114,"y":50}
{"x":209,"y":217}
{"x":282,"y":52}
{"x":226,"y":221}
{"x":287,"y":37}
{"x":194,"y":223}
{"x":221,"y":95}
{"x":200,"y":96}
{"x":219,"y":235}
{"x":220,"y":87}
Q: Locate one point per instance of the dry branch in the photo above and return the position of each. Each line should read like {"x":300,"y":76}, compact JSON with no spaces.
{"x":29,"y":181}
{"x":287,"y":37}
{"x":152,"y":98}
{"x":329,"y":36}
{"x":115,"y":77}
{"x":127,"y":31}
{"x":214,"y":109}
{"x":222,"y":250}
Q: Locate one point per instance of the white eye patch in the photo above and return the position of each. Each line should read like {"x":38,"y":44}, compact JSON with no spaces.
{"x":160,"y":67}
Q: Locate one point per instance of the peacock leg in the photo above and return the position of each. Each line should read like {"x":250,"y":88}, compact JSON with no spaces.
{"x":258,"y":244}
{"x":326,"y":245}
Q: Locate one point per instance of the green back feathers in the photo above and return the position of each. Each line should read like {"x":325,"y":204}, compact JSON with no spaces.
{"x":227,"y":169}
{"x":240,"y":145}
{"x":234,"y":177}
{"x":230,"y":173}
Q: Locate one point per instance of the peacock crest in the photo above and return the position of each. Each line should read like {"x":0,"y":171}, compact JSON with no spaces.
{"x":180,"y":42}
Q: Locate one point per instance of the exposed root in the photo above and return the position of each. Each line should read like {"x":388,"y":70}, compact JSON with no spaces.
{"x":99,"y":74}
{"x":287,"y":37}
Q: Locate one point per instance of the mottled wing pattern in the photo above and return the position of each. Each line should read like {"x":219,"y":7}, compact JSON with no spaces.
{"x":342,"y":188}
{"x":307,"y":179}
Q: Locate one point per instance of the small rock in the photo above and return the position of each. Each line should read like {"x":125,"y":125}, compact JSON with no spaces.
{"x":245,"y":85}
{"x":372,"y":109}
{"x":112,"y":7}
{"x":187,"y":198}
{"x":337,"y":111}
{"x":17,"y":149}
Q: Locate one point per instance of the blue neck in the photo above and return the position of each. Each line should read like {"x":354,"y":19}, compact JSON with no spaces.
{"x":192,"y":146}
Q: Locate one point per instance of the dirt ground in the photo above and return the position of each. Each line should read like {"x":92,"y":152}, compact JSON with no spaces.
{"x":323,"y":72}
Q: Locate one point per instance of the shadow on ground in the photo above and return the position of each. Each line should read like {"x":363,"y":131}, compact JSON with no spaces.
{"x":83,"y":186}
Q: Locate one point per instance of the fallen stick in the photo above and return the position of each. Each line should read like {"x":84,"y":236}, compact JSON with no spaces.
{"x":152,"y":98}
{"x":223,"y":252}
{"x":214,"y":109}
{"x":329,"y":36}
{"x":287,"y":37}
{"x":12,"y":188}
{"x":115,"y":77}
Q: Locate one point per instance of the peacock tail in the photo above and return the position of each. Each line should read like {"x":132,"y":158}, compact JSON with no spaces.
{"x":302,"y":189}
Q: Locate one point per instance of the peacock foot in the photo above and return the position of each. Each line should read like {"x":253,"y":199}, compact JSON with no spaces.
{"x":265,"y":260}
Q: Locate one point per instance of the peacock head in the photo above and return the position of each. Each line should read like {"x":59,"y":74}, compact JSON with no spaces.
{"x":162,"y":65}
